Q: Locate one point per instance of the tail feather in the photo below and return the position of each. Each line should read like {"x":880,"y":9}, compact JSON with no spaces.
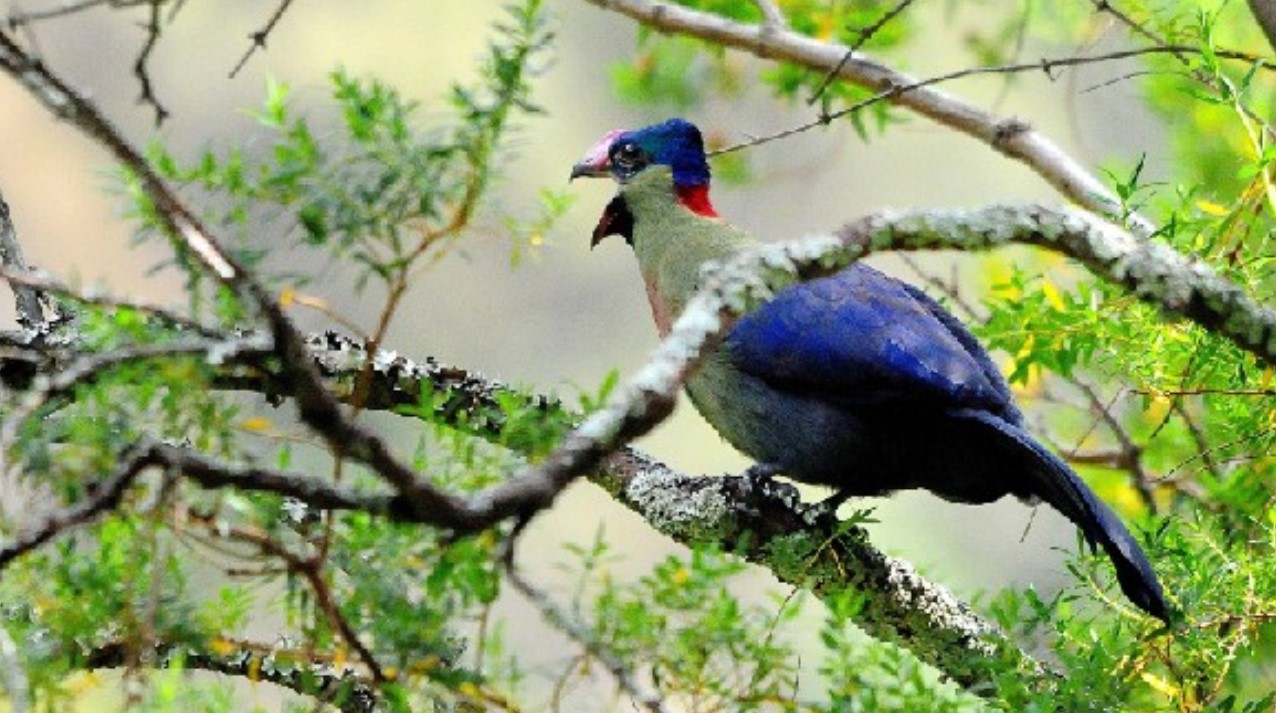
{"x":1056,"y":483}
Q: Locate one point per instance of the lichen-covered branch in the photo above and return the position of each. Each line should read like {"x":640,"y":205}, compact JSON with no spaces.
{"x":344,"y":689}
{"x":1009,"y":135}
{"x":766,"y":523}
{"x":1151,"y":270}
{"x":526,"y":493}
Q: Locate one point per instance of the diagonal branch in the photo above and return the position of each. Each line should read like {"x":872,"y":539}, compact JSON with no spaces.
{"x":1150,"y":270}
{"x":1264,"y":12}
{"x":1011,"y":136}
{"x":258,"y":38}
{"x":29,"y":300}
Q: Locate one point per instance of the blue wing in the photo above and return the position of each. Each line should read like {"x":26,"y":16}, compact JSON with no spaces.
{"x":861,"y":337}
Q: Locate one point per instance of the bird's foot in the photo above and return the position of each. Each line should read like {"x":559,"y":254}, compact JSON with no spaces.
{"x":760,"y":474}
{"x":826,"y":508}
{"x":758,"y":484}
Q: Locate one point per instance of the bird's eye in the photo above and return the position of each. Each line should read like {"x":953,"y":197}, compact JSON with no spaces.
{"x":627,"y":154}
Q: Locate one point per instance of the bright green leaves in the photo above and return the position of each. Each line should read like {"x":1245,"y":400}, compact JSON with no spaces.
{"x":700,"y":642}
{"x":386,"y":189}
{"x":661,"y":73}
{"x":680,"y":73}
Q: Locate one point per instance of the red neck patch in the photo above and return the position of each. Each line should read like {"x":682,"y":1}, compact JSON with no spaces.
{"x":696,"y":199}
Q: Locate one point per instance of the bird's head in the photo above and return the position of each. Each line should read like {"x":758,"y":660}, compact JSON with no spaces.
{"x":626,"y":155}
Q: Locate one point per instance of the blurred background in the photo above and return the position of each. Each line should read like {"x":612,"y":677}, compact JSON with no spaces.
{"x":568,"y":315}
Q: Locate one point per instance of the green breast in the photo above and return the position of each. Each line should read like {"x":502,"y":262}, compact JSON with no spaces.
{"x":671,"y":242}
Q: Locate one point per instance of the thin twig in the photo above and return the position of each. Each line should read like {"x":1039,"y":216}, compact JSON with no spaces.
{"x":621,"y":671}
{"x":140,"y":68}
{"x":311,"y":570}
{"x":18,"y":19}
{"x":1045,"y":64}
{"x":861,"y":37}
{"x":44,"y":282}
{"x":258,"y":38}
{"x":1131,"y":453}
{"x":105,"y":498}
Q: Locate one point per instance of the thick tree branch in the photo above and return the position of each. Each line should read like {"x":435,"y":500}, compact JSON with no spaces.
{"x":344,"y":689}
{"x":1265,"y":14}
{"x":318,"y":409}
{"x":1011,"y":136}
{"x":1150,"y":270}
{"x":770,"y":527}
{"x":766,"y":526}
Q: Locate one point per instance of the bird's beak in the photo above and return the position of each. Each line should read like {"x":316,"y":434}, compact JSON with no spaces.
{"x":590,"y":169}
{"x":596,"y":163}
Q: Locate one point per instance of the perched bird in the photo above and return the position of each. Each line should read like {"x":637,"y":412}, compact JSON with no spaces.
{"x":855,"y":381}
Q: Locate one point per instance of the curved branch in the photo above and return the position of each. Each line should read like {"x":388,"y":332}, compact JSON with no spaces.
{"x":1152,"y":271}
{"x":1011,"y":136}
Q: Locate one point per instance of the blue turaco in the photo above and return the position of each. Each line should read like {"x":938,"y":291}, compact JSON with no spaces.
{"x":857,"y":381}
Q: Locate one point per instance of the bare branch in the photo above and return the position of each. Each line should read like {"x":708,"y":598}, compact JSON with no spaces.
{"x":259,"y":37}
{"x":30,"y":309}
{"x":864,"y":35}
{"x":18,"y":19}
{"x":44,"y":282}
{"x":140,"y":65}
{"x":770,"y":527}
{"x":1150,"y":270}
{"x":1010,"y":136}
{"x":104,"y":498}
{"x":619,"y":670}
{"x":772,"y":15}
{"x":1265,"y":14}
{"x":1047,"y":65}
{"x":64,"y":102}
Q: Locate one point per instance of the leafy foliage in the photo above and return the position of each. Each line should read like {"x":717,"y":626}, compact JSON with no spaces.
{"x":1170,"y":423}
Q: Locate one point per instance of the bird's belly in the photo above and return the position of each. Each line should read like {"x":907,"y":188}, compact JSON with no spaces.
{"x":809,"y":440}
{"x":871,"y":449}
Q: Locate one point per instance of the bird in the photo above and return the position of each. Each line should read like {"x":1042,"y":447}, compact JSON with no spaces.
{"x":856,"y":381}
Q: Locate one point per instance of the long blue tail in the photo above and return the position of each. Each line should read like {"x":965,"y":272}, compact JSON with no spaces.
{"x":1056,"y":483}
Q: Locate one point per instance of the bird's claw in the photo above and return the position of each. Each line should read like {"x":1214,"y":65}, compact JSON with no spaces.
{"x":760,"y":474}
{"x":826,"y":508}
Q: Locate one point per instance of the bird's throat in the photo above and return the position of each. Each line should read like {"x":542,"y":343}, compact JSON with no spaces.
{"x":696,"y":199}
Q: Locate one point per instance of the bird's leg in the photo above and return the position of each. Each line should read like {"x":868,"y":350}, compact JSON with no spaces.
{"x":760,"y":474}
